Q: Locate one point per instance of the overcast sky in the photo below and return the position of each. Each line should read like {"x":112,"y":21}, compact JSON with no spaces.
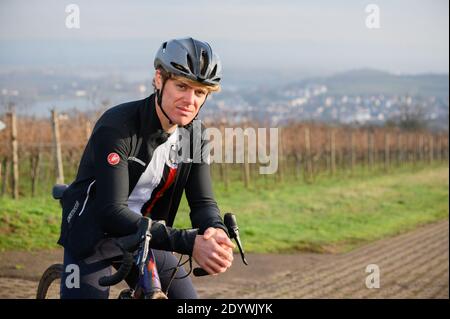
{"x":315,"y":35}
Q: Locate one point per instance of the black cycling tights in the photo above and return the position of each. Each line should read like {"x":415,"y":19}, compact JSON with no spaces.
{"x":99,"y":265}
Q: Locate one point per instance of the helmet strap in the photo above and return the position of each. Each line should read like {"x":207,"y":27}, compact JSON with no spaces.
{"x":159,"y":94}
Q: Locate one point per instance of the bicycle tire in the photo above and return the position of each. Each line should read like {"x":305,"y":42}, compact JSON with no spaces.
{"x":52,"y":273}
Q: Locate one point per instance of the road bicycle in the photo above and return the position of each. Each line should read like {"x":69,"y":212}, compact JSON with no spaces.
{"x":135,"y":252}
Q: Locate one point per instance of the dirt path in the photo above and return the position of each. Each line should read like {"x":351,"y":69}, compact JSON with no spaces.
{"x":412,"y":265}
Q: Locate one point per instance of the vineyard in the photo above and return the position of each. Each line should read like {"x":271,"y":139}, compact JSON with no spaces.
{"x":36,"y":153}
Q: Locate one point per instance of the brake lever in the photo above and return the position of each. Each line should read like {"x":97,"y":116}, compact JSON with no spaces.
{"x":233,"y":229}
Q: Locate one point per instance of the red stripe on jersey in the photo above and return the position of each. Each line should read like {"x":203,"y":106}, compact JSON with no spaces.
{"x":160,"y":193}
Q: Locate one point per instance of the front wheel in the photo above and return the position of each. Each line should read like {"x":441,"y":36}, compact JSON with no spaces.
{"x":49,"y":285}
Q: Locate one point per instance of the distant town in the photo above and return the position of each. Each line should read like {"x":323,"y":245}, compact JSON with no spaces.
{"x":355,"y":98}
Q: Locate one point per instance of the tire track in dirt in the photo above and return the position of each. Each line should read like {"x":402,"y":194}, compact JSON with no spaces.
{"x":341,"y":264}
{"x":422,"y":277}
{"x":335,"y":279}
{"x":347,"y":270}
{"x":408,"y":275}
{"x":391,"y":269}
{"x":326,"y":271}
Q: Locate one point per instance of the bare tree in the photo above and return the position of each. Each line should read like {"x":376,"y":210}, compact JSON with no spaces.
{"x":411,"y":117}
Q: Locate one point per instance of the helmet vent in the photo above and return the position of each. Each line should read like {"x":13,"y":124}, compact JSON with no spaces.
{"x":204,"y":62}
{"x":213,"y":72}
{"x":190,"y":64}
{"x":179,"y":67}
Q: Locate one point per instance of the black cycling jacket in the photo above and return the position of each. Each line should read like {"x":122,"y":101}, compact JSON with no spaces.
{"x":117,"y":154}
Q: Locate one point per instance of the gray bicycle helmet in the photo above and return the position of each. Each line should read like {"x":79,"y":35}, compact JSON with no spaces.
{"x":190,"y":58}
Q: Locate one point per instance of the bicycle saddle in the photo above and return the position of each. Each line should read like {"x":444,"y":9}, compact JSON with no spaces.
{"x":58,"y":190}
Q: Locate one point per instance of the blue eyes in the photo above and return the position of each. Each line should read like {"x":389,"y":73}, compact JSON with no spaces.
{"x":198,"y":92}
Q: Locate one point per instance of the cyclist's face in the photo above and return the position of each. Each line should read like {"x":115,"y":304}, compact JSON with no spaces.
{"x":181,"y":101}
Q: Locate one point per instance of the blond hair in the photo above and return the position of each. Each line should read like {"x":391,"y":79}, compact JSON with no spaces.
{"x":167,"y":76}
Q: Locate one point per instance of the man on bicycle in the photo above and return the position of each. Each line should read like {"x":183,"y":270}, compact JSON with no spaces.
{"x":130,"y":170}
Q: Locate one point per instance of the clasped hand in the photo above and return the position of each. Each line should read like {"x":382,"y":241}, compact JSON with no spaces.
{"x":213,"y":251}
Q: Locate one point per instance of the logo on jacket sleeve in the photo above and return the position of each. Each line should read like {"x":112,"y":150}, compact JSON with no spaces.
{"x":113,"y":158}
